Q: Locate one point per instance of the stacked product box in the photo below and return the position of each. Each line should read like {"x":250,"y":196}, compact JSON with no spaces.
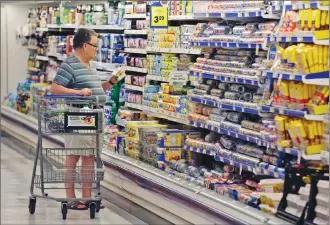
{"x":180,"y":8}
{"x":172,"y":37}
{"x":162,"y":65}
{"x":133,"y":135}
{"x":164,"y":100}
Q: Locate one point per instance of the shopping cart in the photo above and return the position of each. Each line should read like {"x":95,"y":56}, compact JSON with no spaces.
{"x":59,"y":114}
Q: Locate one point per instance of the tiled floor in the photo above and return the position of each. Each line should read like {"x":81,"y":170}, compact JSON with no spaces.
{"x":16,"y":173}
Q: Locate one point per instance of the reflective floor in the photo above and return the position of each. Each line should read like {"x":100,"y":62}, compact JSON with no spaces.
{"x":16,"y":172}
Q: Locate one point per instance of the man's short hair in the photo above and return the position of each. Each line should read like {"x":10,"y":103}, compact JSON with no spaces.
{"x":82,"y":36}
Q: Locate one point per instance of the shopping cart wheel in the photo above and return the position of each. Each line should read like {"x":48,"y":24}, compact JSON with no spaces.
{"x":92,"y":209}
{"x":32,"y":205}
{"x":64,"y":208}
{"x":98,"y":206}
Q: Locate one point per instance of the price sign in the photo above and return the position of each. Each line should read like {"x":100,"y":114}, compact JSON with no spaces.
{"x":158,"y":17}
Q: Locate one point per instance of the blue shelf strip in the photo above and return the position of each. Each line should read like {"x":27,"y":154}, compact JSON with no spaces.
{"x":224,"y":78}
{"x":229,"y":14}
{"x":205,"y":101}
{"x":298,"y":77}
{"x":239,"y":109}
{"x":312,"y":5}
{"x":284,"y":111}
{"x":224,"y":106}
{"x":249,"y":168}
{"x":230,"y":133}
{"x":291,"y":151}
{"x":212,"y":44}
{"x":307,"y":39}
{"x":200,"y":150}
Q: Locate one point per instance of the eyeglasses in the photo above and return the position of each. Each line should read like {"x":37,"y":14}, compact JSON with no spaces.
{"x":95,"y":46}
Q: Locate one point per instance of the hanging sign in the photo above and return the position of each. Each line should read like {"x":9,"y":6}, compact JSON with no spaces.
{"x":159,"y":16}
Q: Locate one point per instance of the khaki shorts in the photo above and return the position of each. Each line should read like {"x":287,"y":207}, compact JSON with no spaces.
{"x":80,"y":144}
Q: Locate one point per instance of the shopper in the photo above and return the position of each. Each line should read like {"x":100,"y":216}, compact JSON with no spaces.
{"x":76,"y":77}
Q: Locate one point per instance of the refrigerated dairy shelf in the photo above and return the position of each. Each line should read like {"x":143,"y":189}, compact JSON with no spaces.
{"x":222,"y":207}
{"x":321,"y":78}
{"x":135,"y":69}
{"x":174,"y":50}
{"x":228,"y":78}
{"x":212,"y":44}
{"x":291,"y":112}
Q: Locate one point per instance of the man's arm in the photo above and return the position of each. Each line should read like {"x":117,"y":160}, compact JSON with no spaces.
{"x":57,"y":89}
{"x":108,"y":84}
{"x":61,"y":90}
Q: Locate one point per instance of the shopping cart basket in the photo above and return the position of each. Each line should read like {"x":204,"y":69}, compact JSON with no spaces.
{"x":59,"y":114}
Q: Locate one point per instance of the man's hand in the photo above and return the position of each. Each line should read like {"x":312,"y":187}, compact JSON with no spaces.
{"x":113,"y":79}
{"x":85,"y":92}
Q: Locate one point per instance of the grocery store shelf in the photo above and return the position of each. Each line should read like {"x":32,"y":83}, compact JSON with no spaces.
{"x":228,"y":78}
{"x":42,"y":29}
{"x":224,"y":131}
{"x":292,"y":112}
{"x":158,"y":78}
{"x":120,"y":121}
{"x":199,"y":150}
{"x":218,"y":103}
{"x":229,"y":15}
{"x":308,"y":38}
{"x":133,"y":87}
{"x":325,"y":157}
{"x":74,"y":26}
{"x":181,"y":17}
{"x":212,"y":44}
{"x":135,"y":16}
{"x":178,"y":191}
{"x":321,"y":78}
{"x":159,"y":113}
{"x":134,"y":105}
{"x":306,"y":5}
{"x":254,"y":169}
{"x":32,"y":69}
{"x":104,"y":66}
{"x":136,"y":32}
{"x":198,"y":196}
{"x":136,"y":50}
{"x":57,"y":55}
{"x":135,"y":69}
{"x":42,"y":58}
{"x":174,"y":50}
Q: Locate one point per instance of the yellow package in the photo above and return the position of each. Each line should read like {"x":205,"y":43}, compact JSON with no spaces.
{"x":172,"y":154}
{"x":166,"y":98}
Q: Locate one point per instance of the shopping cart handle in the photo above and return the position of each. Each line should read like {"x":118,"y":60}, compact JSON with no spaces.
{"x":63,"y":96}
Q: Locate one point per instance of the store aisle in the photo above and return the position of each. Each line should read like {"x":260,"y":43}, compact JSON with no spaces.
{"x":15,"y":183}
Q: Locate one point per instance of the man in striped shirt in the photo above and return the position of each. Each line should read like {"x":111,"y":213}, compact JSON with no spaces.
{"x":76,"y":77}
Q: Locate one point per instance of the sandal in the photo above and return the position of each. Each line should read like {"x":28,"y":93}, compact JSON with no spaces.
{"x":76,"y":205}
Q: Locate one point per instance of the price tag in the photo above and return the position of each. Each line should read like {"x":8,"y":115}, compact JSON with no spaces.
{"x":158,"y":16}
{"x":288,"y":39}
{"x":231,"y":162}
{"x":300,"y":39}
{"x":240,"y":14}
